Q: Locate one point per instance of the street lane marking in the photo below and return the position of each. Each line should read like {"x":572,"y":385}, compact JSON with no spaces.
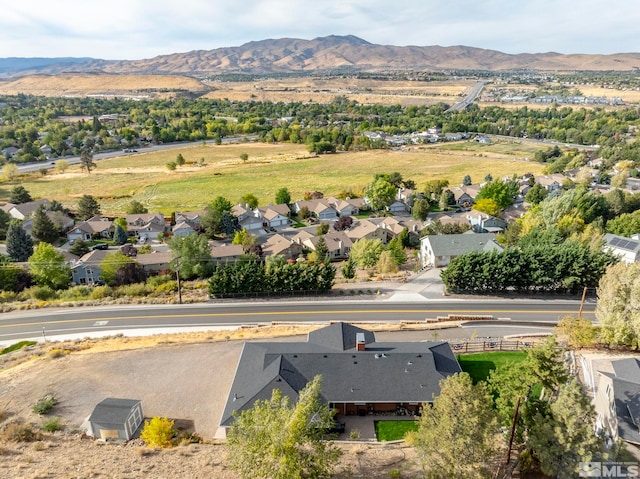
{"x":101,"y":323}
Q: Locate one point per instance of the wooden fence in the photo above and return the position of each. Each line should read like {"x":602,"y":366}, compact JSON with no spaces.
{"x":462,"y":347}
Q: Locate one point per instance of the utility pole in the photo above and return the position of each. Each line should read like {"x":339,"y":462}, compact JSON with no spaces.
{"x":584,"y":295}
{"x":177,"y":266}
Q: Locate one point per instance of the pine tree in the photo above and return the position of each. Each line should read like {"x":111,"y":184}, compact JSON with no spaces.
{"x":43,"y":228}
{"x":87,"y":207}
{"x":19,"y":195}
{"x":119,"y":235}
{"x":19,"y":243}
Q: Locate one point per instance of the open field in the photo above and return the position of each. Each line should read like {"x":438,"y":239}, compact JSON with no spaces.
{"x":144,"y":177}
{"x":321,"y":90}
{"x":152,"y":86}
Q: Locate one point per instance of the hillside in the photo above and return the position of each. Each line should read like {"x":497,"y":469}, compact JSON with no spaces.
{"x":286,"y":55}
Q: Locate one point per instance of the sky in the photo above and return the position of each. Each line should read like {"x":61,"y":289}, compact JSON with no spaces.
{"x":140,"y":29}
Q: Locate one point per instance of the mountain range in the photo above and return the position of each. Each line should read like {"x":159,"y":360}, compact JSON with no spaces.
{"x":330,"y":53}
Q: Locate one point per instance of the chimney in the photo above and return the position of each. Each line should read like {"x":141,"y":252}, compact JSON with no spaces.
{"x":360,"y":343}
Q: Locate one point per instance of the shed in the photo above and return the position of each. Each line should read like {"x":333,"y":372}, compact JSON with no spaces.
{"x":115,"y":418}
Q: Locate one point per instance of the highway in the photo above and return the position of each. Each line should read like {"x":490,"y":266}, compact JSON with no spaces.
{"x":96,"y":321}
{"x":469,"y":98}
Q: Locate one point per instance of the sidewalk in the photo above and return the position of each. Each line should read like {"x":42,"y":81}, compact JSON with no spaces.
{"x":424,"y":286}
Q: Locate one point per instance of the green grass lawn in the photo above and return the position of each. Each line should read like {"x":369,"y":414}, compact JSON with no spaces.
{"x":479,"y":365}
{"x":393,"y":430}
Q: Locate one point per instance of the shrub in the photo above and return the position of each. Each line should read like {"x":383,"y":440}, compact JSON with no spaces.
{"x":52,"y":424}
{"x":40,"y":293}
{"x":158,"y":432}
{"x":20,"y":432}
{"x":155,"y":281}
{"x":44,"y":404}
{"x":55,"y":353}
{"x":170,"y":287}
{"x":77,"y":293}
{"x":136,"y":289}
{"x":354,"y":434}
{"x":101,"y":292}
{"x":16,"y":346}
{"x":8,"y":296}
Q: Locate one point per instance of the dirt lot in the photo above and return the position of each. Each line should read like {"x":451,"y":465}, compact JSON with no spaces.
{"x":188,"y":382}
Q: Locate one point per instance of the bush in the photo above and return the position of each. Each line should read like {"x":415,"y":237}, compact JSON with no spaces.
{"x":76,"y":293}
{"x":40,"y":293}
{"x":55,"y":353}
{"x":52,"y":424}
{"x":155,"y":281}
{"x":20,"y":432}
{"x":158,"y":432}
{"x":136,"y":289}
{"x":18,"y":345}
{"x":8,"y":296}
{"x":44,"y":404}
{"x":101,"y":292}
{"x":170,"y":287}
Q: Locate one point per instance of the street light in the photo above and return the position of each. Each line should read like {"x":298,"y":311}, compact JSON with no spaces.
{"x":176,"y":262}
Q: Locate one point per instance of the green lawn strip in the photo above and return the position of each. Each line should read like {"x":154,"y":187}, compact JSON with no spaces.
{"x":479,"y":365}
{"x":16,"y":346}
{"x":393,"y":430}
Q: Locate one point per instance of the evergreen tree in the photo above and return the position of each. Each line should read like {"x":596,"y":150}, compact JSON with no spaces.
{"x":136,"y":208}
{"x":86,"y":160}
{"x":88,"y":206}
{"x":5,"y":219}
{"x":19,"y":195}
{"x":43,"y":228}
{"x":466,"y":181}
{"x":283,"y":196}
{"x":322,"y":252}
{"x":349,"y":269}
{"x":80,"y":248}
{"x":19,"y":243}
{"x":119,"y":235}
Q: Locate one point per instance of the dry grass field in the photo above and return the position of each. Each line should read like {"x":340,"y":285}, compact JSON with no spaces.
{"x":320,"y":90}
{"x":145,"y":177}
{"x":80,"y":85}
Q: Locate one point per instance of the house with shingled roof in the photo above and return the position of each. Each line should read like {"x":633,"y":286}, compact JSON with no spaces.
{"x":361,"y":376}
{"x":439,"y":250}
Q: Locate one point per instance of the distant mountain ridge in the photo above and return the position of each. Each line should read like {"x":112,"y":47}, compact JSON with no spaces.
{"x":332,"y":52}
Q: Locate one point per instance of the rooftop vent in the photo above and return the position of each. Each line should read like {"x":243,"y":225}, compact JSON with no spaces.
{"x":361,"y":345}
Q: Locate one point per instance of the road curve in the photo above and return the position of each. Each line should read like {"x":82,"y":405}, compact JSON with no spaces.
{"x":99,"y":321}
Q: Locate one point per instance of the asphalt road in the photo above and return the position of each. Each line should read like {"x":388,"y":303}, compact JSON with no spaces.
{"x":537,"y":316}
{"x":469,"y":98}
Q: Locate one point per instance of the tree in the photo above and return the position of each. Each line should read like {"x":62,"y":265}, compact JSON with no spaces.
{"x":136,"y":208}
{"x":283,"y":196}
{"x":466,"y":181}
{"x":502,"y":192}
{"x":158,"y":432}
{"x":86,"y":160}
{"x":119,"y":236}
{"x":48,"y":267}
{"x":19,"y":195}
{"x":110,"y":265}
{"x":343,"y":223}
{"x":456,"y":435}
{"x":244,"y":238}
{"x":443,"y":201}
{"x":5,"y":219}
{"x":560,"y":440}
{"x":488,"y":178}
{"x":420,"y":209}
{"x":244,"y":157}
{"x":396,"y":248}
{"x":618,"y":307}
{"x":433,"y":189}
{"x":536,"y":194}
{"x":577,"y":332}
{"x":10,"y":171}
{"x":218,"y":219}
{"x":322,"y":251}
{"x":13,"y":277}
{"x":180,"y":160}
{"x":88,"y":206}
{"x":278,"y":440}
{"x":79,"y":248}
{"x":19,"y":243}
{"x":366,"y":252}
{"x":249,"y":200}
{"x":129,"y":273}
{"x":488,"y":206}
{"x":171,"y":166}
{"x":349,"y":269}
{"x":387,"y":263}
{"x":322,"y":229}
{"x":43,"y":228}
{"x":192,"y":256}
{"x":380,"y":193}
{"x":62,"y":166}
{"x":626,"y":224}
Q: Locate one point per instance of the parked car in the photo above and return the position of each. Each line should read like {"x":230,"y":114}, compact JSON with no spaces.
{"x":100,"y":246}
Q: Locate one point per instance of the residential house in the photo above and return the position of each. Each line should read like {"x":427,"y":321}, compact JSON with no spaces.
{"x":273,"y":218}
{"x":281,"y":245}
{"x":86,"y":270}
{"x":550,"y":182}
{"x":462,"y":197}
{"x":145,"y":226}
{"x":96,"y":226}
{"x":23,"y":211}
{"x":348,"y":206}
{"x":439,"y":250}
{"x":337,"y":242}
{"x":9,"y":152}
{"x":617,"y":401}
{"x":360,"y":375}
{"x":249,"y":219}
{"x":227,"y":253}
{"x":182,"y":229}
{"x":320,"y":208}
{"x":398,"y":207}
{"x":192,"y":218}
{"x":302,"y":235}
{"x":483,"y":223}
{"x":155,"y":262}
{"x":368,"y":229}
{"x":627,"y":249}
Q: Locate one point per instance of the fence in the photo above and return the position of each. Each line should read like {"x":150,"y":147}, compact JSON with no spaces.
{"x":463,"y":347}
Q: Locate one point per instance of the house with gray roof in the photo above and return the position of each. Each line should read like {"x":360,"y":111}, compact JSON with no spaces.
{"x":618,"y":401}
{"x":115,"y":419}
{"x":439,"y":250}
{"x":361,"y":376}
